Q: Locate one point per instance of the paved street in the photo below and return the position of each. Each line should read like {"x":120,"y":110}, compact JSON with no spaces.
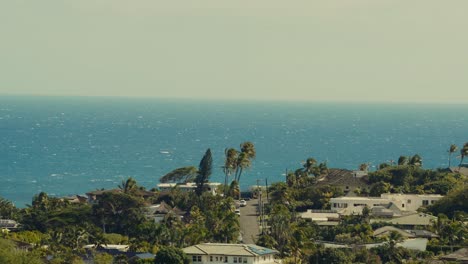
{"x":248,"y":222}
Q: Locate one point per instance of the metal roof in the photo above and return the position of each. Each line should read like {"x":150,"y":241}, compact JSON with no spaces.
{"x":229,"y":249}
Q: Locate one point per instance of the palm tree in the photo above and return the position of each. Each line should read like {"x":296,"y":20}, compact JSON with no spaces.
{"x":364,"y":167}
{"x":453,"y":148}
{"x":128,"y":186}
{"x":230,"y":165}
{"x":309,"y":165}
{"x":463,"y":153}
{"x":402,"y":160}
{"x":244,"y":159}
{"x":416,"y":160}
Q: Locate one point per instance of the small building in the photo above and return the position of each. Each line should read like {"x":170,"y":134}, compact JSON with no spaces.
{"x":217,"y":253}
{"x":459,"y":256}
{"x":8,"y":224}
{"x":157,"y":212}
{"x":188,"y":186}
{"x":93,"y":196}
{"x":386,"y":230}
{"x":322,"y":217}
{"x":347,"y":180}
{"x":409,"y":221}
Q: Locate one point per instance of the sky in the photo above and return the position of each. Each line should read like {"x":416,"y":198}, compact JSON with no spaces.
{"x":330,"y":50}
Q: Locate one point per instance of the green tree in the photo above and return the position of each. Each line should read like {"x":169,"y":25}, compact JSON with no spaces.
{"x":103,"y":258}
{"x":129,"y":186}
{"x":204,"y":172}
{"x":8,"y":210}
{"x":184,"y":174}
{"x":230,"y":164}
{"x":416,"y":160}
{"x":402,"y":160}
{"x":171,"y":255}
{"x":453,"y":148}
{"x":463,"y":153}
{"x":244,"y":159}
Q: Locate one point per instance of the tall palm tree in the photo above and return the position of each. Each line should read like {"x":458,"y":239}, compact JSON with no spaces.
{"x":128,"y":186}
{"x":463,"y":154}
{"x":453,"y":148}
{"x":364,"y":167}
{"x":244,"y":160}
{"x":230,"y":165}
{"x":416,"y":160}
{"x":245,"y":157}
{"x":403,"y":160}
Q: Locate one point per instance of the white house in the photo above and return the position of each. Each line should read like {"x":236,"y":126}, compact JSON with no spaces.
{"x":217,"y":253}
{"x":404,"y":202}
{"x":188,"y":186}
{"x":411,"y":202}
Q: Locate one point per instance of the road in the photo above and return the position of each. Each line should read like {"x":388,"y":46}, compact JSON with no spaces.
{"x":248,"y":222}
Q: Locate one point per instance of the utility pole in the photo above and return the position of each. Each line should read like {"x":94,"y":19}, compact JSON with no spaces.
{"x":260,"y":204}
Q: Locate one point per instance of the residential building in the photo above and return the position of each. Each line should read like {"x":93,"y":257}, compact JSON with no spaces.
{"x":347,"y":180}
{"x":322,"y":217}
{"x":157,"y":212}
{"x":217,"y":253}
{"x":188,"y":186}
{"x":94,"y":196}
{"x":409,"y":221}
{"x":8,"y":224}
{"x":401,"y":202}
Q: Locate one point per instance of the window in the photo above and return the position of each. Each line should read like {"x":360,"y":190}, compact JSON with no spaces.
{"x":409,"y":201}
{"x":403,"y":205}
{"x":425,"y":202}
{"x":433,"y":201}
{"x":211,"y":258}
{"x":235,"y":259}
{"x":245,"y":260}
{"x":225,"y":259}
{"x":199,"y":258}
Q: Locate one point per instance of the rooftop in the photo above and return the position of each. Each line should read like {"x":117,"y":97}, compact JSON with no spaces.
{"x":229,"y":249}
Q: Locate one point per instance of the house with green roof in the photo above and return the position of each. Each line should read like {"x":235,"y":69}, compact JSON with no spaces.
{"x":218,"y":253}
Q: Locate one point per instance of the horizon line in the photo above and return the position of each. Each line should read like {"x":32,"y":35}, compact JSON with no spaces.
{"x":238,"y":99}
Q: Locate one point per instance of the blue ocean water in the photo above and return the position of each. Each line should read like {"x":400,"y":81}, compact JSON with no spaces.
{"x":71,"y":145}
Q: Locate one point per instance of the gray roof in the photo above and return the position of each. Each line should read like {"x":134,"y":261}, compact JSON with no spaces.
{"x":387,"y":229}
{"x":417,"y":219}
{"x":228,"y":249}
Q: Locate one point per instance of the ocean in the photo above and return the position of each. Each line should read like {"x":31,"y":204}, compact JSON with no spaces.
{"x":71,"y":145}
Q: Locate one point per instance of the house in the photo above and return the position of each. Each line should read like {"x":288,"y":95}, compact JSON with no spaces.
{"x":409,"y":221}
{"x":411,"y":202}
{"x":409,"y":243}
{"x":459,"y":256}
{"x":386,"y":230}
{"x":347,"y":180}
{"x":75,"y":199}
{"x":217,"y":253}
{"x":322,"y":217}
{"x":8,"y":224}
{"x":396,"y":202}
{"x":188,"y":186}
{"x":157,"y":212}
{"x":93,"y":196}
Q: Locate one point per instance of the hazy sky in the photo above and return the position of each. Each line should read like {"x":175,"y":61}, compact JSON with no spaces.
{"x":356,"y":50}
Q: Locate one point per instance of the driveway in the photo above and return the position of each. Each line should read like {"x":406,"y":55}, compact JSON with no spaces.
{"x":248,"y":222}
